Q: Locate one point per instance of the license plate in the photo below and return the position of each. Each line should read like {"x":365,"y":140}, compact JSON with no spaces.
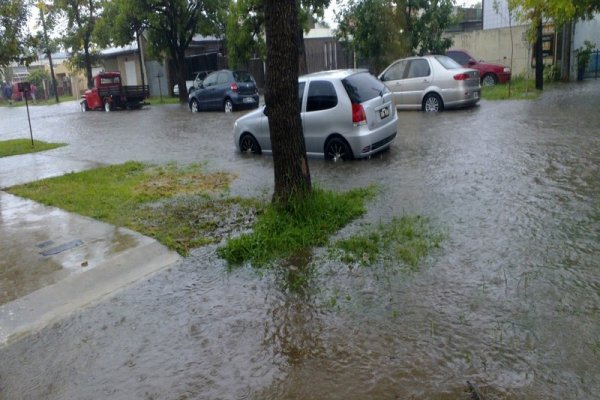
{"x":384,"y":113}
{"x":248,"y":100}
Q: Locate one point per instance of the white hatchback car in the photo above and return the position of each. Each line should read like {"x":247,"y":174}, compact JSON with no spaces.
{"x":431,"y":83}
{"x":345,"y":114}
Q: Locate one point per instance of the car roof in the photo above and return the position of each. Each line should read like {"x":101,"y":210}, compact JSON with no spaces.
{"x":335,"y":73}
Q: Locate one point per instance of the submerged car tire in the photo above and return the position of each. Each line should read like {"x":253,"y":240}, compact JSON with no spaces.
{"x":194,"y":106}
{"x":107,"y":106}
{"x":84,"y":106}
{"x":227,"y":106}
{"x":432,"y":103}
{"x":337,"y":149}
{"x":489,"y":80}
{"x":249,"y":144}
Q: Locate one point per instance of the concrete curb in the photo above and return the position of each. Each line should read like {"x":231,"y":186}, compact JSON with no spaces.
{"x":32,"y":312}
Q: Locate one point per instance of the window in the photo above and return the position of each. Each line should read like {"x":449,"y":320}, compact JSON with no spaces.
{"x":242,"y":76}
{"x":223,"y":78}
{"x":418,"y":68}
{"x":210,"y":80}
{"x":448,"y":62}
{"x":459,"y":57}
{"x":321,"y":96}
{"x":362,"y":87}
{"x":395,"y":72}
{"x":301,"y":86}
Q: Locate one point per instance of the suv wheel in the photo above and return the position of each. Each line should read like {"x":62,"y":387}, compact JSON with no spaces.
{"x":227,"y":106}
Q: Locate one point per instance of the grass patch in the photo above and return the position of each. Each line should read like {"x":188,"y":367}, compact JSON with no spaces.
{"x":280,"y":233}
{"x":520,"y":89}
{"x":407,"y":239}
{"x":174,"y":205}
{"x":23,"y":146}
{"x":157,"y":100}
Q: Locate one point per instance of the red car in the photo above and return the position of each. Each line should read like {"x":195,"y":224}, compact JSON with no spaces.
{"x":490,"y":73}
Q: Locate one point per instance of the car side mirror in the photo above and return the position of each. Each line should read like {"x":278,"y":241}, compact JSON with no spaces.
{"x":472,"y":62}
{"x":383,"y":78}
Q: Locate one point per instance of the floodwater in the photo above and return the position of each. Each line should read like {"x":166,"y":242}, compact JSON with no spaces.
{"x":509,"y":303}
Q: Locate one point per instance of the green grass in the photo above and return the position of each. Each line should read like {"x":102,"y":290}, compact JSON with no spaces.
{"x":23,"y":146}
{"x":166,"y":99}
{"x":280,"y":233}
{"x":49,"y":101}
{"x":520,"y":89}
{"x":407,"y":239}
{"x":174,"y":205}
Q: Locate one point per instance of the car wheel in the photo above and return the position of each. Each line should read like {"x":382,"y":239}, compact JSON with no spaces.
{"x":107,"y":106}
{"x":249,"y":144}
{"x":432,"y":103}
{"x":337,"y":149}
{"x":84,"y":106}
{"x":194,"y":106}
{"x":227,"y":106}
{"x":489,"y":80}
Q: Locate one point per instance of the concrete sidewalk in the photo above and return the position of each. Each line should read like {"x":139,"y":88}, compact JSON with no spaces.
{"x":53,"y":262}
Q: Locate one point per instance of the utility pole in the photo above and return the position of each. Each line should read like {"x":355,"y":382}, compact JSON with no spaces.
{"x":42,"y":7}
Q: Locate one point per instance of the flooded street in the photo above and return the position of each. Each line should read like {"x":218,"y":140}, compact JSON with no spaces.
{"x":510,"y":302}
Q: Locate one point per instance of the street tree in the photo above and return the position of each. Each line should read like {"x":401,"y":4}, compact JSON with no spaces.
{"x":292,"y":175}
{"x":121,"y":22}
{"x":382,"y":30}
{"x":48,"y":45}
{"x":373,"y":30}
{"x":560,"y":12}
{"x":14,"y":40}
{"x":246,"y":29}
{"x":81,"y":16}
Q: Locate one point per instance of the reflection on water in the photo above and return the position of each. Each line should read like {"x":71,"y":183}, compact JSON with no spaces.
{"x":510,"y":303}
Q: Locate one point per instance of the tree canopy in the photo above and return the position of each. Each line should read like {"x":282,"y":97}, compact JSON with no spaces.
{"x":14,"y":40}
{"x":383,"y":30}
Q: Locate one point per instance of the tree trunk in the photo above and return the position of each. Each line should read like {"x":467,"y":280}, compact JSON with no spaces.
{"x":180,"y":68}
{"x":539,"y":57}
{"x":292,"y":176}
{"x":565,"y":57}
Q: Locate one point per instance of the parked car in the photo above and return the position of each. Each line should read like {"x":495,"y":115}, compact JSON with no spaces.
{"x":225,"y":90}
{"x":109,"y":94}
{"x":345,"y":114}
{"x":431,"y":83}
{"x":192,"y":84}
{"x":490,"y":73}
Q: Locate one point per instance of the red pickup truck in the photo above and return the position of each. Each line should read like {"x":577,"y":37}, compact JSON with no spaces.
{"x":109,"y":94}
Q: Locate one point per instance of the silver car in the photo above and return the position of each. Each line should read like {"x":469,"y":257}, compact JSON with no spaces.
{"x":345,"y":114}
{"x":431,"y":83}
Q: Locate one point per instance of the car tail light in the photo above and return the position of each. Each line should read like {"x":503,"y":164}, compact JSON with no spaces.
{"x":358,"y":114}
{"x":461,"y":77}
{"x":233,"y":87}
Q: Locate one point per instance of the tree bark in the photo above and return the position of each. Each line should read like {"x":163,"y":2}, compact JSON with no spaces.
{"x":290,"y":163}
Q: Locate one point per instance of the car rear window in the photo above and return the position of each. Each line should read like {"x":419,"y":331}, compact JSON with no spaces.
{"x":447,"y":62}
{"x":242,"y":76}
{"x":363,"y":87}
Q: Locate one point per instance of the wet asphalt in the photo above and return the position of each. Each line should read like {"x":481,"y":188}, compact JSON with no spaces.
{"x":510,"y":302}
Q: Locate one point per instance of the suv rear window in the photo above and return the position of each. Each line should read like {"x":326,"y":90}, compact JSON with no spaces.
{"x":363,"y":87}
{"x":242,"y":76}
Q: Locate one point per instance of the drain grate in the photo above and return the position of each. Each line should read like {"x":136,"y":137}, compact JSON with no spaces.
{"x":63,"y":247}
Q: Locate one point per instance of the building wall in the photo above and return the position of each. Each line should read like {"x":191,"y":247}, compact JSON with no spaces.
{"x":494,"y":45}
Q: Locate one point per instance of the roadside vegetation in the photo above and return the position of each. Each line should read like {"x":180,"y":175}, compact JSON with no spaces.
{"x":23,"y":146}
{"x":47,"y":102}
{"x":165,"y":99}
{"x":520,"y":89}
{"x":188,"y":207}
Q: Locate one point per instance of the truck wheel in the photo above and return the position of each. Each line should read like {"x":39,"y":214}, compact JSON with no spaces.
{"x":107,"y":106}
{"x":84,"y":106}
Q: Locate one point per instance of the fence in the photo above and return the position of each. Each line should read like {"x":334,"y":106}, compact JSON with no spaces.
{"x":593,"y":68}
